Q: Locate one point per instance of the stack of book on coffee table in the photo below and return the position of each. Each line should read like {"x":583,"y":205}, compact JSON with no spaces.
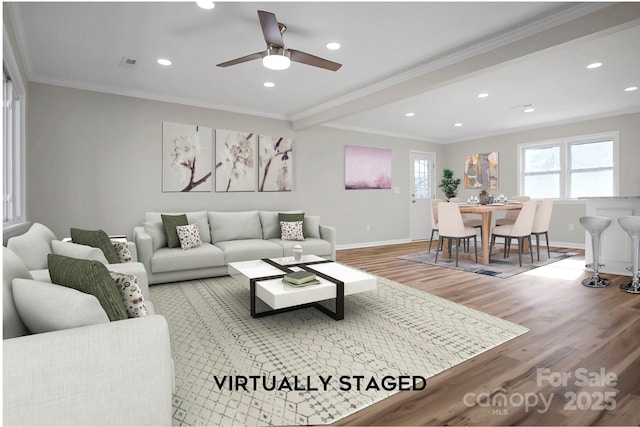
{"x":298,"y":279}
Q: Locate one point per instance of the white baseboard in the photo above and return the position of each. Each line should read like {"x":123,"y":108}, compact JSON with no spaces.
{"x":401,"y":241}
{"x":372,"y":244}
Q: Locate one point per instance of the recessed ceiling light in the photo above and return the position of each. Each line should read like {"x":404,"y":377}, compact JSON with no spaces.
{"x":333,"y":46}
{"x":410,"y":114}
{"x":594,"y":65}
{"x":457,"y":124}
{"x":269,"y":84}
{"x":204,"y":4}
{"x":483,"y":95}
{"x":630,"y":88}
{"x":529,"y":110}
{"x":164,"y":62}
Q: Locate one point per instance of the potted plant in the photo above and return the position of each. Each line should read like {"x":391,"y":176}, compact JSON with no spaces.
{"x":448,"y":184}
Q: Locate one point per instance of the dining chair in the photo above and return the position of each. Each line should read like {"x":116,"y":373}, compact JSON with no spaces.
{"x":541,"y":222}
{"x":521,"y":230}
{"x":468,"y":220}
{"x":434,"y":219}
{"x":511,"y":215}
{"x":451,"y":227}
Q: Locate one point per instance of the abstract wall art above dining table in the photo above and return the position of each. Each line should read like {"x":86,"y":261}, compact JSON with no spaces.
{"x":481,"y":171}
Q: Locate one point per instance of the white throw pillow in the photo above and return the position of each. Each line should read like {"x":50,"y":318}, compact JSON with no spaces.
{"x":291,"y":230}
{"x":131,"y":293}
{"x":45,"y":307}
{"x":75,"y":250}
{"x":189,"y":236}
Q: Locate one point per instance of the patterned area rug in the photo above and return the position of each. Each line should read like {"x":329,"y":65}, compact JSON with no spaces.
{"x":302,"y":367}
{"x":499,"y":266}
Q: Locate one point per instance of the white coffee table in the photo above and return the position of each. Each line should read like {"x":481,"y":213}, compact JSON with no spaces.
{"x":263,"y":278}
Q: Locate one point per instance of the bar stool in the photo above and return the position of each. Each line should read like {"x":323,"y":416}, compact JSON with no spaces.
{"x":631,"y":224}
{"x":595,"y":225}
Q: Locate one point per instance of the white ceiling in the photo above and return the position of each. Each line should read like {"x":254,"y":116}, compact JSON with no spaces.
{"x":428,"y":58}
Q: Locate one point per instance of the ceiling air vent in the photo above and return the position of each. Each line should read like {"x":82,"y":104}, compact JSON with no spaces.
{"x":129,"y":63}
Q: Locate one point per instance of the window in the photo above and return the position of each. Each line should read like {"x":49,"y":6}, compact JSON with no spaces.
{"x":13,"y":119}
{"x":570,"y":168}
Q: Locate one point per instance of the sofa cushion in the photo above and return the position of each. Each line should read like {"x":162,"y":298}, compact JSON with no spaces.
{"x":45,"y":307}
{"x":131,"y":293}
{"x":311,"y":226}
{"x":189,"y":236}
{"x":249,"y":249}
{"x":171,"y":222}
{"x":96,"y":239}
{"x":175,"y":259}
{"x":75,"y":250}
{"x":12,"y":268}
{"x":33,"y":246}
{"x":91,"y":277}
{"x":271,"y":223}
{"x":155,"y":229}
{"x":199,"y":218}
{"x":309,"y":245}
{"x":227,"y":226}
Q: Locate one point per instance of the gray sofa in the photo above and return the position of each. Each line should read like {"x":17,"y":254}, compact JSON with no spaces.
{"x":64,"y":363}
{"x":226,"y":237}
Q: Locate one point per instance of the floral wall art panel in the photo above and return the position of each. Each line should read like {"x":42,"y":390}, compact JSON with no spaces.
{"x":235,"y":161}
{"x":481,"y":171}
{"x":276,"y":163}
{"x":187,"y":157}
{"x":367,"y":168}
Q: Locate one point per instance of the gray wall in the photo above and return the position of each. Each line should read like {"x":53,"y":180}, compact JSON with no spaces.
{"x":94,"y":161}
{"x":564,"y":213}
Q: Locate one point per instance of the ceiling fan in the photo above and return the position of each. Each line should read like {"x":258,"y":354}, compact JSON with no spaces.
{"x":277,"y":56}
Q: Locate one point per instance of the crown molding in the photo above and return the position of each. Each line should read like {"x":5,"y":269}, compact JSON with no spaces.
{"x":151,"y":96}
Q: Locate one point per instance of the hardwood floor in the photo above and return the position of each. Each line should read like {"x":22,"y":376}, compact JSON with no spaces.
{"x":574,"y":331}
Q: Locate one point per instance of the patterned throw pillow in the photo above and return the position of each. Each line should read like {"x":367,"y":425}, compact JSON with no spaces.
{"x":291,"y":230}
{"x":131,"y":294}
{"x":123,"y":251}
{"x":291,"y":226}
{"x":189,"y":236}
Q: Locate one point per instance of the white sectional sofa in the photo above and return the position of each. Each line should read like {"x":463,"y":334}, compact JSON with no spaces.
{"x":64,"y":362}
{"x":226,"y":237}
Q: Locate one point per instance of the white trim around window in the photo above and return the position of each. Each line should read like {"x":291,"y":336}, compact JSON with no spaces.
{"x":557,"y":173}
{"x":15,"y":165}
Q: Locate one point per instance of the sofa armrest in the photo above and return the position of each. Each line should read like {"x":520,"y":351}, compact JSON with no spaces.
{"x":144,"y":246}
{"x":329,"y":234}
{"x":117,"y":373}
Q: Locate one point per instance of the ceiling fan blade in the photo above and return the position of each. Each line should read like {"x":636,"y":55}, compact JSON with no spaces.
{"x":240,"y":60}
{"x":316,"y":61}
{"x":270,"y":29}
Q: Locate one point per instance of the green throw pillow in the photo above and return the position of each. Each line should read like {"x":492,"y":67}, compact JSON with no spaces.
{"x":97,"y":239}
{"x":91,"y":277}
{"x":170,"y":223}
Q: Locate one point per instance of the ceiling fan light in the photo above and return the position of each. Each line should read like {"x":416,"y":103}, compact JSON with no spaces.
{"x":276,"y":59}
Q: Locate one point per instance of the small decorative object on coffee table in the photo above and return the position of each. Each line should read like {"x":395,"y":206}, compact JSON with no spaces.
{"x":297,"y":252}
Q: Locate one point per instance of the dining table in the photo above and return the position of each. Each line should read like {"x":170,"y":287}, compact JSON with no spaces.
{"x":486,"y":212}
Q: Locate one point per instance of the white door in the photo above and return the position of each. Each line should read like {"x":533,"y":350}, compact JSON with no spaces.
{"x":422,"y":187}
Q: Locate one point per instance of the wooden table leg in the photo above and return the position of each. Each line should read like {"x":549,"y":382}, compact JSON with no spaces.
{"x":486,"y":235}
